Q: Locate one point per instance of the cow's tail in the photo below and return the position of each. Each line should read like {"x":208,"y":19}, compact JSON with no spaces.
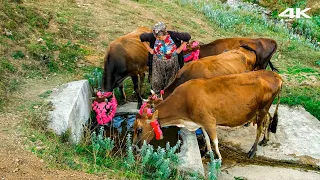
{"x":270,"y":56}
{"x":274,"y":123}
{"x":107,"y":72}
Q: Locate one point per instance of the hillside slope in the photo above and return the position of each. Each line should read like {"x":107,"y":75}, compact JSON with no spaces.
{"x":47,"y":43}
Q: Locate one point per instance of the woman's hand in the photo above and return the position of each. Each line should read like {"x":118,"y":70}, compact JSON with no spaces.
{"x":150,"y":50}
{"x":179,"y":49}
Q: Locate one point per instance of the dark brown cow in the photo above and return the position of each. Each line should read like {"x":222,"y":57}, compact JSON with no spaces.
{"x":126,"y":56}
{"x":231,"y":62}
{"x":263,"y":47}
{"x":230,"y":100}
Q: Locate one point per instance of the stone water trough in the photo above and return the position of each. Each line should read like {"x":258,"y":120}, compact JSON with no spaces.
{"x":297,"y":138}
{"x":72,"y":107}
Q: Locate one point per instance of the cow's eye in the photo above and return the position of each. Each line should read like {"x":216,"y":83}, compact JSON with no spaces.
{"x":139,"y":130}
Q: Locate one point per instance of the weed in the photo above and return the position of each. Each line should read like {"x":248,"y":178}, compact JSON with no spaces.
{"x":7,"y":65}
{"x":18,"y":55}
{"x":239,"y":178}
{"x":214,"y":167}
{"x":65,"y":136}
{"x":37,"y":117}
{"x":300,"y":69}
{"x":13,"y":85}
{"x":45,"y":94}
{"x":318,"y":62}
{"x":95,"y":78}
{"x":70,"y":54}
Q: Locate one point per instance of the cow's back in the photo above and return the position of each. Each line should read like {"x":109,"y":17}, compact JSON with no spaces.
{"x":219,"y":46}
{"x":129,"y":51}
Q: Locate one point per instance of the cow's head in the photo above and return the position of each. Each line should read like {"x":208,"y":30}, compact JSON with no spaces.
{"x":143,"y":131}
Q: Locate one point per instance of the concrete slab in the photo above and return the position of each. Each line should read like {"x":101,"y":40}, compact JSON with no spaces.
{"x":128,"y":108}
{"x":72,"y":108}
{"x":190,"y":153}
{"x":297,"y":137}
{"x":254,"y":172}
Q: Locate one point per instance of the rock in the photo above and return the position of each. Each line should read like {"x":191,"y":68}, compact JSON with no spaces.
{"x":38,"y":148}
{"x":72,"y":107}
{"x":267,"y":173}
{"x":15,"y":170}
{"x":190,"y":153}
{"x":297,"y":137}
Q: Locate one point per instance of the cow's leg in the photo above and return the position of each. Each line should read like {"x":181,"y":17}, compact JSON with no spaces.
{"x":123,"y":94}
{"x":135,"y":80}
{"x":142,"y":76}
{"x":260,"y":117}
{"x":212,"y":132}
{"x":207,"y":139}
{"x":266,"y":130}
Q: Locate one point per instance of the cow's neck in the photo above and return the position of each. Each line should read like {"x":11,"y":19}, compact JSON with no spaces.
{"x":168,"y":115}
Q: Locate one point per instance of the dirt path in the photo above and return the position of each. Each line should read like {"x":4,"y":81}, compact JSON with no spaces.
{"x":15,"y":161}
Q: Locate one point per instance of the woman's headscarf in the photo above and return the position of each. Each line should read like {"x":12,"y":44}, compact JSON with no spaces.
{"x":159,"y":29}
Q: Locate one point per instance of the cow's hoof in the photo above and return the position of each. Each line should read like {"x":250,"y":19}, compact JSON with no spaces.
{"x":264,"y":142}
{"x":247,"y":125}
{"x":251,"y":153}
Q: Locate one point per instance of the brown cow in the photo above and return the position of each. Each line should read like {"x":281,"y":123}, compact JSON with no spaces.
{"x":231,"y":62}
{"x":263,"y":47}
{"x":230,"y":100}
{"x":126,"y":56}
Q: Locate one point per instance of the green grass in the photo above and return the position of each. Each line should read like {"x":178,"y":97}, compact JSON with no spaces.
{"x":100,"y":155}
{"x":45,"y":94}
{"x":308,"y":97}
{"x":43,"y":39}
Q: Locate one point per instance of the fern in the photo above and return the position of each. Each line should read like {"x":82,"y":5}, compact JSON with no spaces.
{"x":129,"y":161}
{"x":213,"y":167}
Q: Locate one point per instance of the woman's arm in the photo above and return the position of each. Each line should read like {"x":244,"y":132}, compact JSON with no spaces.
{"x":181,"y":36}
{"x":179,"y":49}
{"x":147,"y":37}
{"x":148,"y":47}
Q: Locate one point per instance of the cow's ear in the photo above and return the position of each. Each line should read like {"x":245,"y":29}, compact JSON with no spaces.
{"x":155,"y":115}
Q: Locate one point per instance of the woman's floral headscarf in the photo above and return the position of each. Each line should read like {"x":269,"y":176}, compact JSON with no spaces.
{"x":159,"y":29}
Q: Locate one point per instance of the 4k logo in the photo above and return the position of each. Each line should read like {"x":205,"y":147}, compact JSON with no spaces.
{"x":290,"y":13}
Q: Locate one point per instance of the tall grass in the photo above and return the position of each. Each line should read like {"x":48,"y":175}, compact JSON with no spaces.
{"x":245,"y":20}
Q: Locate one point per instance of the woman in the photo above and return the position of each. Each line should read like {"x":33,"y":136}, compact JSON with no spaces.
{"x":165,"y":54}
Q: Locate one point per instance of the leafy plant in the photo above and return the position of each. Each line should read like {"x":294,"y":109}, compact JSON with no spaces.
{"x":213,"y":167}
{"x":318,"y":62}
{"x":101,"y":147}
{"x":129,"y":160}
{"x":18,"y":55}
{"x":162,"y":163}
{"x":95,"y":78}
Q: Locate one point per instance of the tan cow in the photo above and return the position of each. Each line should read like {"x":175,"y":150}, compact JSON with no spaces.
{"x":231,"y":62}
{"x":230,"y":100}
{"x":264,"y":48}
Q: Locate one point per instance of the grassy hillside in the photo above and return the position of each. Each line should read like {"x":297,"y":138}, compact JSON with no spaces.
{"x":49,"y":43}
